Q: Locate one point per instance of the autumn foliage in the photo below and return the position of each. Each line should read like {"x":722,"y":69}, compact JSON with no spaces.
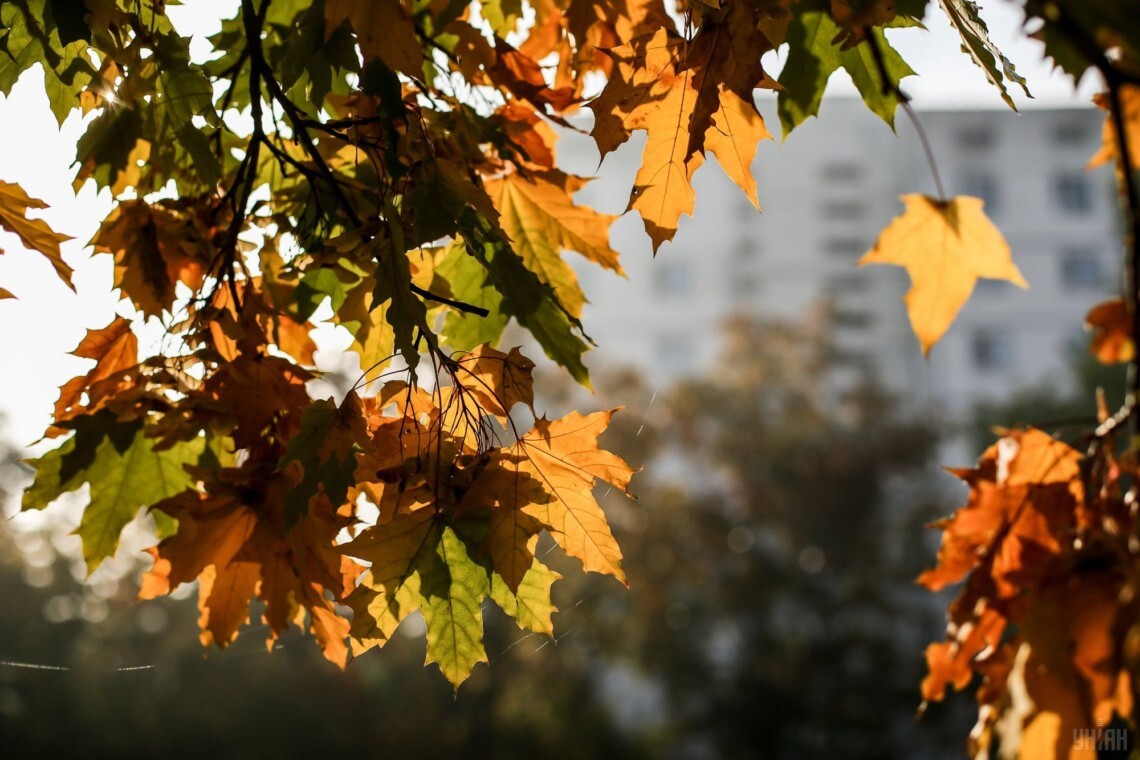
{"x":390,"y":168}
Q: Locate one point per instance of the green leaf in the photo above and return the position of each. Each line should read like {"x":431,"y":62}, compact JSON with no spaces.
{"x":964,"y":17}
{"x":530,"y":606}
{"x":315,"y":286}
{"x":105,"y":148}
{"x":125,"y":471}
{"x":813,"y":58}
{"x":454,"y":589}
{"x":205,"y":163}
{"x":405,"y":312}
{"x":308,"y":61}
{"x":526,"y":298}
{"x":469,"y":282}
{"x":32,"y":38}
{"x":420,"y":563}
{"x":325,"y":449}
{"x":183,"y":90}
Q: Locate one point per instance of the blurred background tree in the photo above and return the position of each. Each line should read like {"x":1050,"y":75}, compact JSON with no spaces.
{"x":771,"y":559}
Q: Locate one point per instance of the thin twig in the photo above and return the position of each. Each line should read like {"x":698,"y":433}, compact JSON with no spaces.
{"x":892,"y":88}
{"x":301,"y":133}
{"x":1115,"y":78}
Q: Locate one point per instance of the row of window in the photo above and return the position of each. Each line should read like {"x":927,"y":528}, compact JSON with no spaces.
{"x":1079,"y":268}
{"x":990,"y":351}
{"x":1065,"y":132}
{"x":1071,"y":191}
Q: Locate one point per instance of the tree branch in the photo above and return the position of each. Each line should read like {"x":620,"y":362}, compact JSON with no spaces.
{"x":300,"y":126}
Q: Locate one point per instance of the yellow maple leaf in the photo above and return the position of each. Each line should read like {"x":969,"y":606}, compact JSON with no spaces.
{"x":35,"y":234}
{"x":945,"y":247}
{"x":672,"y":89}
{"x":563,"y":456}
{"x":539,"y":214}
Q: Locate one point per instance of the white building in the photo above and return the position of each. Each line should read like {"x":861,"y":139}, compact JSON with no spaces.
{"x":826,"y":193}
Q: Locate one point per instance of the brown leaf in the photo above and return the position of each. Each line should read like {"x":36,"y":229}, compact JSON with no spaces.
{"x":384,"y":29}
{"x":35,"y":234}
{"x":1111,"y":327}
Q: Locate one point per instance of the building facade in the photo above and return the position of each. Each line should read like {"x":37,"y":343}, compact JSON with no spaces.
{"x":826,"y":193}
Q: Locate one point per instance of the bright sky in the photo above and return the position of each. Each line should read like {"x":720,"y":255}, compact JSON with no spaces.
{"x":47,"y":321}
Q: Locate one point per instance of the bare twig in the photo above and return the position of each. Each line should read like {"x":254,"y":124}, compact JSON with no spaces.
{"x":892,"y":88}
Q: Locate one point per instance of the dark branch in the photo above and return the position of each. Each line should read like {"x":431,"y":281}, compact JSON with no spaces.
{"x":300,"y":127}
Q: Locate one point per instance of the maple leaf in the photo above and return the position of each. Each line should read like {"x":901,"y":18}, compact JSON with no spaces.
{"x":125,"y":470}
{"x":1023,"y":494}
{"x":243,"y":549}
{"x":522,"y":76}
{"x":563,"y":456}
{"x":668,"y":87}
{"x":35,"y":234}
{"x":963,"y":16}
{"x":422,"y":563}
{"x":155,"y":247}
{"x":652,"y":91}
{"x":814,"y":56}
{"x":539,"y":215}
{"x":497,"y":380}
{"x":115,"y":350}
{"x":528,"y":602}
{"x":325,"y":447}
{"x":1130,"y":104}
{"x":223,"y":600}
{"x":533,"y":138}
{"x":951,"y":663}
{"x":1111,"y":327}
{"x":384,"y":30}
{"x":945,"y":247}
{"x":725,"y":54}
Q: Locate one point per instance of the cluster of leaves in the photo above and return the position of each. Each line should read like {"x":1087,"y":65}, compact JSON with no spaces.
{"x":392,"y":164}
{"x":1045,"y":546}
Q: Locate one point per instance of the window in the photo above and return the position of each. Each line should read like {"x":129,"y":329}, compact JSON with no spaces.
{"x":844,"y":210}
{"x":853,"y":359}
{"x":977,"y":136}
{"x":672,"y":278}
{"x":845,"y":246}
{"x":744,"y":284}
{"x":981,"y":184}
{"x":992,"y":350}
{"x":1071,"y":192}
{"x":990,"y":288}
{"x":1081,"y":269}
{"x":1071,"y":132}
{"x":851,"y":318}
{"x":845,"y":172}
{"x":746,"y":248}
{"x":845,"y":283}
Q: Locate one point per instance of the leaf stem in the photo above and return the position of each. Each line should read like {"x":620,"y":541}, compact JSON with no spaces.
{"x":892,"y":88}
{"x":1127,"y":180}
